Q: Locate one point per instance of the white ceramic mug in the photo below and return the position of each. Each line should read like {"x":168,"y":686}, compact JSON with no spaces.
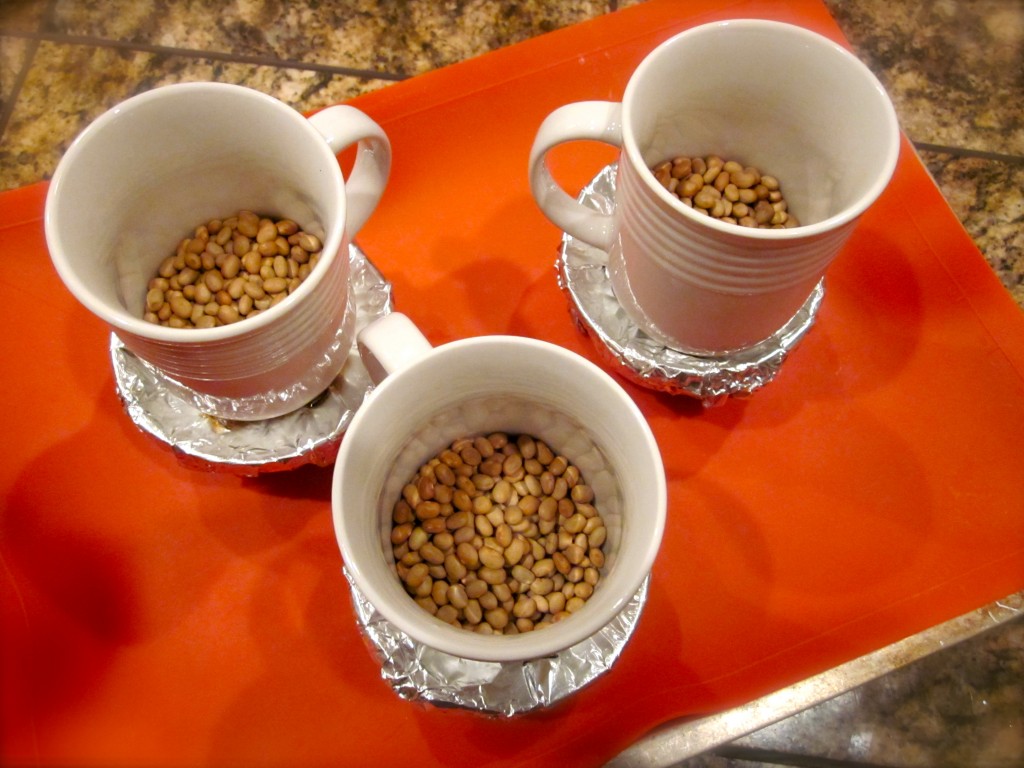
{"x":770,"y":95}
{"x":427,"y":398}
{"x":146,"y":173}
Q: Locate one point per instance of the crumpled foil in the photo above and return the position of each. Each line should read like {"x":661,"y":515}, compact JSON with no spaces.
{"x":417,"y":672}
{"x":310,"y":434}
{"x":583,"y":276}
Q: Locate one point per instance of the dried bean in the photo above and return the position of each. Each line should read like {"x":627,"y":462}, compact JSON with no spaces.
{"x":725,"y":190}
{"x":215,"y":269}
{"x":497,"y":534}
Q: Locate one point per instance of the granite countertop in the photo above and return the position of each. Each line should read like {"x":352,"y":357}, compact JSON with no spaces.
{"x":954,"y":70}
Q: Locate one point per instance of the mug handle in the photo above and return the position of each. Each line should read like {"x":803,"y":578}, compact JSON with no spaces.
{"x":342,"y":125}
{"x":583,"y":120}
{"x":389,"y":344}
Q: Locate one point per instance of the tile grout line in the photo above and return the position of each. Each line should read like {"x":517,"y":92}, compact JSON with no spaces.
{"x":30,"y":55}
{"x":19,"y":81}
{"x":192,"y":53}
{"x":786,"y":759}
{"x":966,"y":152}
{"x":268,"y":61}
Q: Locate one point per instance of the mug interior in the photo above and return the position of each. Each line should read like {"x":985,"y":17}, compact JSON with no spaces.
{"x":775,"y":96}
{"x":145,"y":174}
{"x":477,"y":387}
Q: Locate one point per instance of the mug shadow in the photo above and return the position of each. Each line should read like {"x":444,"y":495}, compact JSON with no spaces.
{"x":593,"y":723}
{"x":280,"y":506}
{"x":91,"y":558}
{"x":868,"y":328}
{"x":513,"y":288}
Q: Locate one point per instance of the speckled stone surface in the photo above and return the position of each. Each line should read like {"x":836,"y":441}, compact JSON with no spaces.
{"x":955,"y":72}
{"x":21,"y":15}
{"x":961,"y":707}
{"x":14,"y":52}
{"x":103,"y":77}
{"x":96,"y":53}
{"x":988,"y":197}
{"x":406,"y":38}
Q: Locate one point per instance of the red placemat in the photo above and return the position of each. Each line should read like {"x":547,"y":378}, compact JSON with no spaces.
{"x":154,"y":615}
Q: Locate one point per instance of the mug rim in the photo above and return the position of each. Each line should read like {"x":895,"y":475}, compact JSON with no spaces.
{"x":332,"y":244}
{"x":464,"y":643}
{"x":850,"y":213}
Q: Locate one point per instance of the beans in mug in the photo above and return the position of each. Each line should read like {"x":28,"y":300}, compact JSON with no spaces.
{"x":229,"y":270}
{"x":727,"y":190}
{"x":498,"y":534}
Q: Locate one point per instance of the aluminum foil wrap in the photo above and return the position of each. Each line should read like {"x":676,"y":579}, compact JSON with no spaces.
{"x":310,"y":434}
{"x":417,"y":672}
{"x":583,"y":276}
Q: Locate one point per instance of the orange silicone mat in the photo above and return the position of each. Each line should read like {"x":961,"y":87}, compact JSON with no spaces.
{"x":154,"y":615}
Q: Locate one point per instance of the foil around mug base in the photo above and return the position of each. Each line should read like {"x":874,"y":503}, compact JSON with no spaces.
{"x":583,"y":276}
{"x":311,"y":434}
{"x":420,"y":673}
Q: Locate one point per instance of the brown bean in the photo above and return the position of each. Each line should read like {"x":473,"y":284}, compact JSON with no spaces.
{"x":416,"y":575}
{"x":575,"y":523}
{"x":457,"y":596}
{"x":476,"y":587}
{"x":543,"y":567}
{"x":524,"y":607}
{"x":681,"y":167}
{"x":496,"y":553}
{"x":418,"y":538}
{"x":574,"y":554}
{"x":491,"y":558}
{"x":439,"y":593}
{"x":561,"y":562}
{"x":456,"y":520}
{"x":180,"y":306}
{"x":523,"y":575}
{"x":541,"y":586}
{"x":502,"y":491}
{"x":512,"y":464}
{"x":448,"y":614}
{"x":763,"y":212}
{"x":217,"y":254}
{"x":515,"y":551}
{"x":275,"y":285}
{"x":502,"y":591}
{"x":497,"y":618}
{"x":455,"y":569}
{"x":154,"y":299}
{"x":400,"y":533}
{"x":725,"y":189}
{"x":434,"y":526}
{"x":267,"y":231}
{"x":401,"y":512}
{"x":473,"y":613}
{"x":468,"y":555}
{"x":492,"y":575}
{"x":309,"y":243}
{"x":431,"y":554}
